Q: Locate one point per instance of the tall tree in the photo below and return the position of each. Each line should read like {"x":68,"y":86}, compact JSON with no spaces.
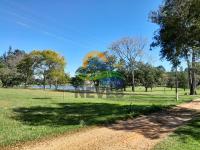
{"x":179,"y":33}
{"x":129,"y":49}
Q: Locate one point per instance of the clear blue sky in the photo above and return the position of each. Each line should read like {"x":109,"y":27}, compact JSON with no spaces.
{"x":75,"y":27}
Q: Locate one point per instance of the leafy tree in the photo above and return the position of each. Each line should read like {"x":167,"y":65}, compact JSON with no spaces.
{"x":58,"y":77}
{"x":94,"y":67}
{"x":8,"y":71}
{"x":183,"y":79}
{"x":146,"y":74}
{"x":76,"y":81}
{"x":179,"y":33}
{"x":47,"y":63}
{"x":160,"y":75}
{"x":171,"y":80}
{"x":26,"y":68}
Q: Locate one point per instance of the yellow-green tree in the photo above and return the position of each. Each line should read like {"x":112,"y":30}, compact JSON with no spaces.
{"x":49,"y":65}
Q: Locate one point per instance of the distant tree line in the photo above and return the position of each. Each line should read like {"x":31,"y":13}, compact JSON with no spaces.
{"x":143,"y":74}
{"x":44,"y":67}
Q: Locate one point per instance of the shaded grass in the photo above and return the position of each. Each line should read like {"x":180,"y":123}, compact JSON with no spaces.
{"x":186,"y":137}
{"x":34,"y":114}
{"x":73,"y":113}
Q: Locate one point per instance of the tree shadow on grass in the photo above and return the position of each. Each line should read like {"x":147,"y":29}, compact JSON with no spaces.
{"x":73,"y":113}
{"x":191,"y":129}
{"x":42,"y":98}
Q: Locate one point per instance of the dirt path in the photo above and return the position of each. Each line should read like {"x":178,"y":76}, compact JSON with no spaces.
{"x":141,"y":133}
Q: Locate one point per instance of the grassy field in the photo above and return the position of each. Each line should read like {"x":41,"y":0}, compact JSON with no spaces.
{"x":34,"y":114}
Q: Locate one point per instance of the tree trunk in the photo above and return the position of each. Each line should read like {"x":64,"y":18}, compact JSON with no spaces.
{"x":25,"y":83}
{"x":146,"y":89}
{"x":96,"y":84}
{"x":176,"y":84}
{"x":44,"y":82}
{"x":56,"y":85}
{"x":133,"y":80}
{"x":193,"y":78}
{"x":124,"y":87}
{"x":189,"y":73}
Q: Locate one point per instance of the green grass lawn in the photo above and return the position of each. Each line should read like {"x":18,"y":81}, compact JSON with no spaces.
{"x":34,"y":114}
{"x":186,"y":137}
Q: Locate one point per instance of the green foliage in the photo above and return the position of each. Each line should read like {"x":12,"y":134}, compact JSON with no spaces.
{"x":179,"y":34}
{"x":26,"y":69}
{"x":171,"y":80}
{"x":183,"y":79}
{"x":8,"y":68}
{"x":97,"y":70}
{"x":49,"y":66}
{"x":77,"y":81}
{"x":148,"y":75}
{"x":179,"y":28}
{"x":17,"y":67}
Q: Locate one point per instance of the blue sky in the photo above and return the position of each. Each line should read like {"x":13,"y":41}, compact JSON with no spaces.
{"x":75,"y":27}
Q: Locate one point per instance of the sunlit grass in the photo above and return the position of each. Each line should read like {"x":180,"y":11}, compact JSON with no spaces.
{"x":27,"y":114}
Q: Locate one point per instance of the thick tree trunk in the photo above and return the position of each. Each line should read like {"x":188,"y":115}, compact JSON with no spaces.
{"x":146,"y":89}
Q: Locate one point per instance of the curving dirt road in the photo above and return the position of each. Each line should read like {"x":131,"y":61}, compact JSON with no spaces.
{"x":141,"y":133}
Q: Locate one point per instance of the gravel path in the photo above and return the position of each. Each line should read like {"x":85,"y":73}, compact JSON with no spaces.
{"x":141,"y":133}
